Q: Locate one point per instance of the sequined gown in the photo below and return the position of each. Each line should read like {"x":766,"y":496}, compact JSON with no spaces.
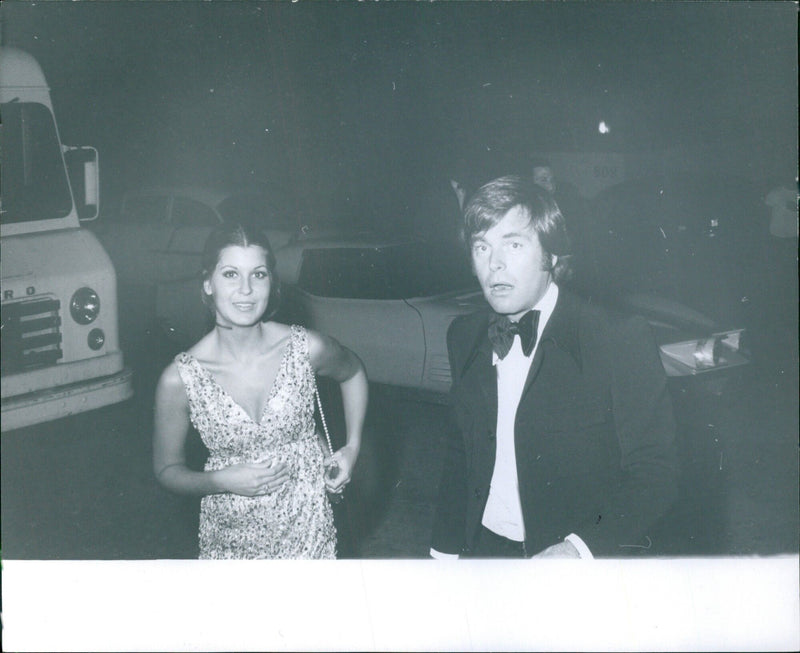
{"x":295,"y":521}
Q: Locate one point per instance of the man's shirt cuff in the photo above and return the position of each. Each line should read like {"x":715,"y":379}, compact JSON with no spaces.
{"x":443,"y":556}
{"x":578,"y":543}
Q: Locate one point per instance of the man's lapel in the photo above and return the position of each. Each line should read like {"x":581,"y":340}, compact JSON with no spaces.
{"x":561,"y":330}
{"x":479,"y":372}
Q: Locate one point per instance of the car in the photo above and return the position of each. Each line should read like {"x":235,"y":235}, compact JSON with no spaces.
{"x":159,"y":231}
{"x":650,"y":249}
{"x":388,"y":299}
{"x":676,"y":250}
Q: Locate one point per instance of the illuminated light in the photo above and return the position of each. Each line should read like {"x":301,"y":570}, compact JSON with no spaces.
{"x":603,"y":128}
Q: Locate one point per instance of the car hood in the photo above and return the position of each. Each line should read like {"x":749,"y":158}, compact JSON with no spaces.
{"x":458,"y":302}
{"x":670,"y":319}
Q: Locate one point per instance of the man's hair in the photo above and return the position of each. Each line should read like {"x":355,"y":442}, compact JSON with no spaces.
{"x":538,"y":162}
{"x":240,"y":234}
{"x":492,"y":201}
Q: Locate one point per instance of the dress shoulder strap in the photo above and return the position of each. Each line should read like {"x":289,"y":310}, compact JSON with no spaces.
{"x":299,"y":339}
{"x":187,"y":369}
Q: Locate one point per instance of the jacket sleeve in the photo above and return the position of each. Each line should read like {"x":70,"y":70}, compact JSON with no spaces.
{"x":645,"y":430}
{"x":449,"y":520}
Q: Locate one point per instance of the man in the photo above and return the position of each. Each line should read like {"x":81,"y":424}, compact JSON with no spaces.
{"x":543,"y":176}
{"x":460,"y":190}
{"x":571,"y":203}
{"x":563,"y":445}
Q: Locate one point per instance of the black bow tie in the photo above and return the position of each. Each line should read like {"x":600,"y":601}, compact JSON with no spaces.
{"x":502,"y":332}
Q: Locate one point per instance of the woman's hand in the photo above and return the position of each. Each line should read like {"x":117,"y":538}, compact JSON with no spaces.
{"x":344,"y":459}
{"x":253,"y":479}
{"x":330,"y":359}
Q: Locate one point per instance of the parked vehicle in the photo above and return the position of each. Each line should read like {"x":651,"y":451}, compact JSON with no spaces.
{"x":60,"y":345}
{"x":390,"y":301}
{"x":159,"y":232}
{"x":677,"y":253}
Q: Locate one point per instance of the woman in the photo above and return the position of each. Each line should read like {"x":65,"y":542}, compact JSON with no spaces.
{"x":248,"y":388}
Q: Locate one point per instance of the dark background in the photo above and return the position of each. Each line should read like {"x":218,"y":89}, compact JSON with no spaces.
{"x":352,"y":107}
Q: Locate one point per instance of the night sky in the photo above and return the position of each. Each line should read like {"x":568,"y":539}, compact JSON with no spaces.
{"x":353,"y":107}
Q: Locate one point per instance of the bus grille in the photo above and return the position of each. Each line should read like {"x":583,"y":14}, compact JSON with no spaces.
{"x":30,"y":335}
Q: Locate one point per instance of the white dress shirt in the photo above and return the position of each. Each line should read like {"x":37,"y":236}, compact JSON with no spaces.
{"x":503,"y":512}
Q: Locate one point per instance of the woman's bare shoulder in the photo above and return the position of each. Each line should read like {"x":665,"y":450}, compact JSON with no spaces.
{"x":170,"y":384}
{"x":171,"y":406}
{"x":276,"y":337}
{"x":203,"y":348}
{"x":326,"y":353}
{"x":277,"y":331}
{"x":318,"y":343}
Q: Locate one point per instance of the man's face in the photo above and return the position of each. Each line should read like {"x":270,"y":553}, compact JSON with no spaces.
{"x":508,"y":261}
{"x":543,"y":176}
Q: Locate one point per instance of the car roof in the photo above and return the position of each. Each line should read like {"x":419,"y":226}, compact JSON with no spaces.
{"x":341,"y":240}
{"x":205,"y":194}
{"x":290,"y":255}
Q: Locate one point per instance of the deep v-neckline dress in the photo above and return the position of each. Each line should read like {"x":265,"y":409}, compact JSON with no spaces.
{"x":294,"y":522}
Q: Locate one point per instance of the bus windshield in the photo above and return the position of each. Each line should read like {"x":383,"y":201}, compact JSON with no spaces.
{"x":33,"y":179}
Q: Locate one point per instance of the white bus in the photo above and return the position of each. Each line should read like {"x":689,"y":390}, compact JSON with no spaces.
{"x":60,"y":342}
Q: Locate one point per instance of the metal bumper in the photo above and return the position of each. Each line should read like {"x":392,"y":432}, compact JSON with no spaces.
{"x":55,"y":403}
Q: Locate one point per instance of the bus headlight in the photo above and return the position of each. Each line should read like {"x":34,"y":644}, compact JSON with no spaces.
{"x":84,"y":306}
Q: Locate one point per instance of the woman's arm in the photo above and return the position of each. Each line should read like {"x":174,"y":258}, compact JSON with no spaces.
{"x":171,"y":426}
{"x":331,"y":359}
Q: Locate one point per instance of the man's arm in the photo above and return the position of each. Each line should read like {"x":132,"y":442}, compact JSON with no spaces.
{"x":645,"y":429}
{"x":451,"y":506}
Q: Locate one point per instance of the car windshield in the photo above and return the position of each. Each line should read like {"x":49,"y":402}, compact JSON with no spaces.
{"x":392,"y":272}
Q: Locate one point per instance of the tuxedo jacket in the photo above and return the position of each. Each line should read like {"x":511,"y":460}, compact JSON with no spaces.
{"x":594,"y":433}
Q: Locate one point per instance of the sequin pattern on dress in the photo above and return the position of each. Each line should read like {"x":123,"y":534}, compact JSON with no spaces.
{"x":296,"y":521}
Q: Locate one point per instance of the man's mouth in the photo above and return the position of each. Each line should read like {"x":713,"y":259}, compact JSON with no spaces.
{"x":500,"y":288}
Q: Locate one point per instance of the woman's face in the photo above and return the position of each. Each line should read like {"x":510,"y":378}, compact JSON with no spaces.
{"x":239,"y":285}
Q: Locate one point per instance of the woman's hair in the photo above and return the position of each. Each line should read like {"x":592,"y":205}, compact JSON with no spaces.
{"x":492,"y":201}
{"x":240,"y":234}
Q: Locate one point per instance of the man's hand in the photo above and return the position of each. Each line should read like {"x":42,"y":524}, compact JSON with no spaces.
{"x":560,"y":550}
